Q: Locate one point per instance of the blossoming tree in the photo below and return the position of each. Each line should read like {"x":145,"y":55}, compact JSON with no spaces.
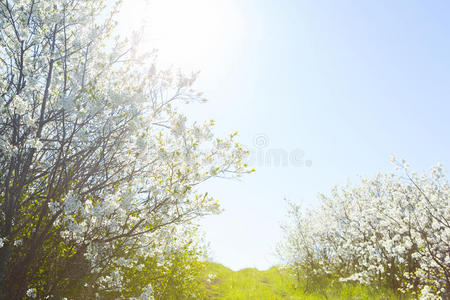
{"x":392,"y":231}
{"x":98,"y":168}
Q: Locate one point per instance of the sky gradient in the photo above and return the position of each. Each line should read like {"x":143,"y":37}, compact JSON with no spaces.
{"x":335,"y":86}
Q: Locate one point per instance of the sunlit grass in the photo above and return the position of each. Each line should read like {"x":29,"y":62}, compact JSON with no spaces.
{"x":276,"y":283}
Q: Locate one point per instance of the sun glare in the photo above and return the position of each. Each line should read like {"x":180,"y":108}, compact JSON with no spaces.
{"x":190,"y":35}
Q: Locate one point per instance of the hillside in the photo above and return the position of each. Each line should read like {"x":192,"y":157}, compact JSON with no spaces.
{"x":273,"y":284}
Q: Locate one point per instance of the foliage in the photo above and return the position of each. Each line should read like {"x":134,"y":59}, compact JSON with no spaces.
{"x":181,"y":276}
{"x":98,"y":170}
{"x":391,"y":231}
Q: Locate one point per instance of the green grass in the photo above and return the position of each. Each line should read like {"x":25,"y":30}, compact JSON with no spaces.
{"x":276,"y":284}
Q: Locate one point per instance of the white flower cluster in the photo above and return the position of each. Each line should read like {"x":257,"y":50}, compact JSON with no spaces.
{"x":388,"y":231}
{"x":31,"y":292}
{"x":147,"y":294}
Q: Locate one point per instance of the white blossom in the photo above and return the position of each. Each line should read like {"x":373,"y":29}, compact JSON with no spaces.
{"x":32,"y":293}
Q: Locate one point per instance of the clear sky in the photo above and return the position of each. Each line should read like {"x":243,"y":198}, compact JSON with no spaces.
{"x":337,"y":87}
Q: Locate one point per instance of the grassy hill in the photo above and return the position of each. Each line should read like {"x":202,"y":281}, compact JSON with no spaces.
{"x":274,"y":284}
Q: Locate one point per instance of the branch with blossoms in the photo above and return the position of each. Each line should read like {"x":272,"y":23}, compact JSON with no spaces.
{"x":97,"y":165}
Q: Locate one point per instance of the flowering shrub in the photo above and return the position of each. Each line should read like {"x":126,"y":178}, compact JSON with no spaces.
{"x":98,"y":169}
{"x":390,"y":231}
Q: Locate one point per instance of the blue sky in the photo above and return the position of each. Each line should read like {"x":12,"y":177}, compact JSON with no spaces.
{"x":348,"y":83}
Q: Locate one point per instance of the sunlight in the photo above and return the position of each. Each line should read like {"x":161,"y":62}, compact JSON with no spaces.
{"x":190,"y":35}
